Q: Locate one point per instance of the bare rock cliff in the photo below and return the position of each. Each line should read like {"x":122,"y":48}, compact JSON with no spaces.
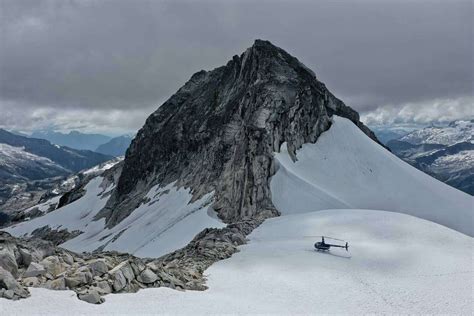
{"x":220,"y":130}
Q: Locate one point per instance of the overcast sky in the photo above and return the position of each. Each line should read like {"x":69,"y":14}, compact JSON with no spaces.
{"x":104,"y":66}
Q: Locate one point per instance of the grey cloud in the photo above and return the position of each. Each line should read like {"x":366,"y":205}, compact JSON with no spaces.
{"x":421,"y":113}
{"x":128,"y":56}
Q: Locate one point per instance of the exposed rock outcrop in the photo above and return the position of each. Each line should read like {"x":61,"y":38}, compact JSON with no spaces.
{"x":56,"y":236}
{"x":220,"y":130}
{"x":39,"y":263}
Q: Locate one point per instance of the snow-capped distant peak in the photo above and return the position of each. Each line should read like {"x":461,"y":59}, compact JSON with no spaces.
{"x":14,"y":157}
{"x":455,"y":132}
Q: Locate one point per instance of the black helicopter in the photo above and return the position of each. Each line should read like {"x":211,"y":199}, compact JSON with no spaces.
{"x":323,"y":246}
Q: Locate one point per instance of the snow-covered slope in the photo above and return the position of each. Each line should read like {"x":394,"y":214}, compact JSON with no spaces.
{"x":346,"y":169}
{"x":396,"y":264}
{"x":166,"y":221}
{"x":456,"y":132}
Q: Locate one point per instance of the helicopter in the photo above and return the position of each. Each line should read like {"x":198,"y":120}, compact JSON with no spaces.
{"x":323,"y":246}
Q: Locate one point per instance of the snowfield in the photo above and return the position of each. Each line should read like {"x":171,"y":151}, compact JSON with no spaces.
{"x":163,"y":224}
{"x":346,"y":169}
{"x":410,"y":250}
{"x":396,"y":264}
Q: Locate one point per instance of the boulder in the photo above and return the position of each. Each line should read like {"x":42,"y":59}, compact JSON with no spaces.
{"x":171,"y":280}
{"x":118,"y":279}
{"x":8,"y":294}
{"x":98,"y":267}
{"x":78,"y":278}
{"x":91,"y":296}
{"x":137,"y":266}
{"x":154,"y":266}
{"x":8,"y":259}
{"x":53,"y":265}
{"x":26,"y":256}
{"x":42,"y":249}
{"x":121,"y":275}
{"x":34,"y":269}
{"x":8,"y":282}
{"x":147,"y":276}
{"x":103,"y":287}
{"x":57,"y":284}
{"x":237,"y":238}
{"x":67,"y":258}
{"x":30,"y":282}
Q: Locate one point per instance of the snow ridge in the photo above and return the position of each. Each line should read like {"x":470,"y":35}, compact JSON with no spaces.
{"x":345,"y":168}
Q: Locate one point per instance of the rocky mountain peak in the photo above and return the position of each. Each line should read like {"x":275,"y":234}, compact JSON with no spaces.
{"x":219,"y":131}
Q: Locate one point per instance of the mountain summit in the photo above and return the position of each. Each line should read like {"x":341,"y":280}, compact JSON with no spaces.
{"x":219,"y":131}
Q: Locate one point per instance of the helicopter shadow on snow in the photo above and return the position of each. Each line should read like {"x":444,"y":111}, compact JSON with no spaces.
{"x":329,"y":253}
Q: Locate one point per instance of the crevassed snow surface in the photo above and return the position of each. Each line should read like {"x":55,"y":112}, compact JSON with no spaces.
{"x":396,"y":264}
{"x":165,"y":223}
{"x":346,"y":169}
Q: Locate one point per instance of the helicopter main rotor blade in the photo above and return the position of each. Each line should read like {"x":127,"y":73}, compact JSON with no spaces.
{"x":333,"y":238}
{"x":324,"y":237}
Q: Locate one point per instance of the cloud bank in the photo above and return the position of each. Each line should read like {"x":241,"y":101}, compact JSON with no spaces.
{"x":104,"y":66}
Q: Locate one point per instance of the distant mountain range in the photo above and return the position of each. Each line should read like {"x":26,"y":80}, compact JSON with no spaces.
{"x":386,"y":134}
{"x":26,"y":162}
{"x":113,"y":146}
{"x":446,"y":153}
{"x":66,"y":157}
{"x":73,"y":139}
{"x":116,"y":146}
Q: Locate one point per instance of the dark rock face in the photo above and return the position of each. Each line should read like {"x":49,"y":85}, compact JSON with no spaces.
{"x":56,"y":236}
{"x":71,"y":196}
{"x":220,"y":130}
